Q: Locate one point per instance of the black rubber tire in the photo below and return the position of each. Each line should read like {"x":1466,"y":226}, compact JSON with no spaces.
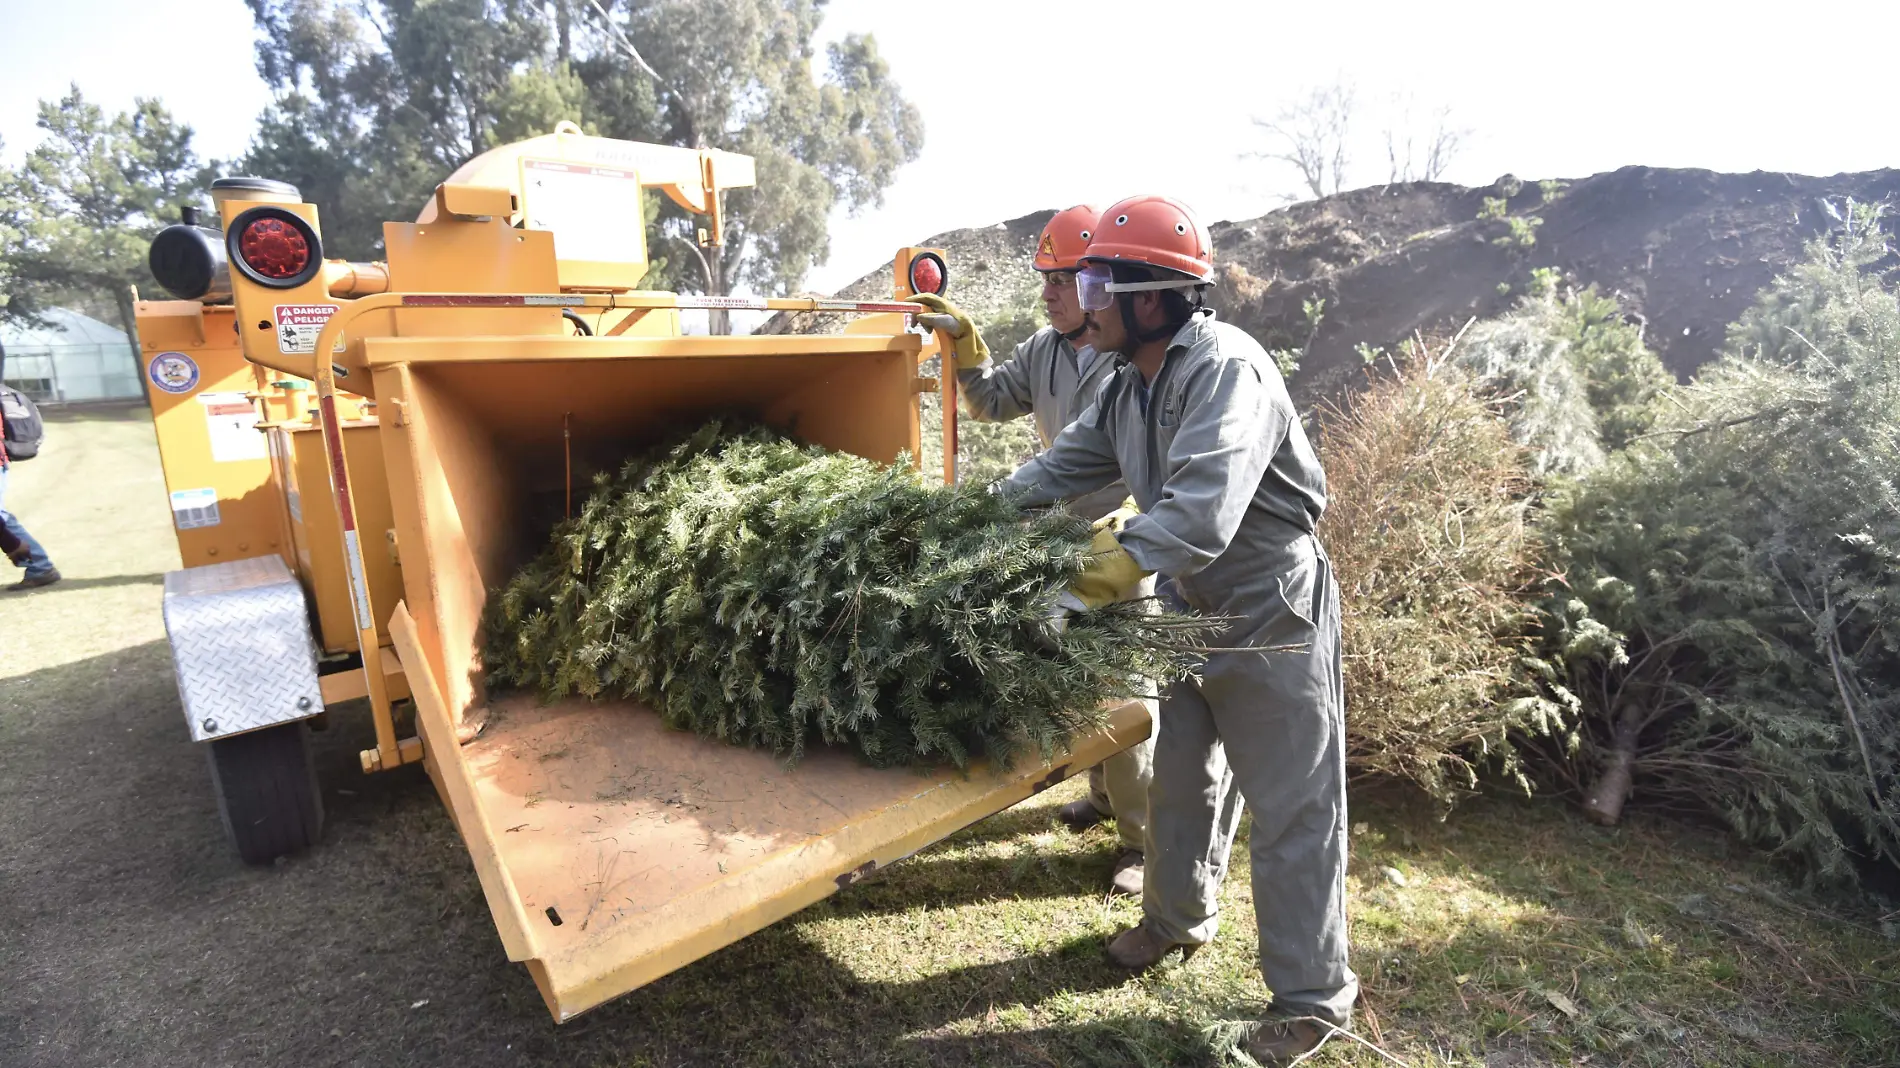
{"x":266,"y":782}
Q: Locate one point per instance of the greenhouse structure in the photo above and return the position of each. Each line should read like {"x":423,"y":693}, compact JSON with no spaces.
{"x":69,"y":358}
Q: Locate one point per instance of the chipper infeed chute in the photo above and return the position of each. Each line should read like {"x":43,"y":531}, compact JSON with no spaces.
{"x":611,"y":849}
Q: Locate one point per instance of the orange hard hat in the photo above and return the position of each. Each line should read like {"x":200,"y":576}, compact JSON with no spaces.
{"x":1064,"y":237}
{"x":1156,"y":231}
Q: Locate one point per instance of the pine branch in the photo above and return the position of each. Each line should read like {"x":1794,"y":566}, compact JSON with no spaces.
{"x":768,"y":594}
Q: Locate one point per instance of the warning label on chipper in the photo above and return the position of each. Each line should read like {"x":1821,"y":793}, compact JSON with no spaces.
{"x":194,"y":508}
{"x":298,"y":326}
{"x":231,"y":420}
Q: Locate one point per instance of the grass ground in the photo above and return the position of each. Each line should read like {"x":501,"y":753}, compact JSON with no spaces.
{"x":1512,"y":934}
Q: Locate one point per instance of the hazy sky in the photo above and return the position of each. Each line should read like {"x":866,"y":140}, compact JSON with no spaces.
{"x":1034,"y":104}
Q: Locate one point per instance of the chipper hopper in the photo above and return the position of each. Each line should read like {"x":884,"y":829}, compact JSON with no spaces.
{"x":358,"y":454}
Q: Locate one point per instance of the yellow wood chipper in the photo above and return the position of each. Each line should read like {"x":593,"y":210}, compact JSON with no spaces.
{"x":356,"y":454}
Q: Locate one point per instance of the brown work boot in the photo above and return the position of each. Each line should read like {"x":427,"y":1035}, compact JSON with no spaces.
{"x":1126,"y":881}
{"x":34,"y":582}
{"x":1141,"y":947}
{"x":1278,"y":1041}
{"x":1080,"y":815}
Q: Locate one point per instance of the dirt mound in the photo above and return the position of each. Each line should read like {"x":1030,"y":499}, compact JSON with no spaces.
{"x":1685,"y":250}
{"x":989,"y":271}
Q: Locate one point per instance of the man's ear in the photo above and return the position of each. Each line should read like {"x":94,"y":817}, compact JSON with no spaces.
{"x":1147,"y":308}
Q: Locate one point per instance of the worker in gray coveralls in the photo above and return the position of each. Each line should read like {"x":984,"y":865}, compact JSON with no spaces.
{"x":1053,"y":378}
{"x":1198,"y":422}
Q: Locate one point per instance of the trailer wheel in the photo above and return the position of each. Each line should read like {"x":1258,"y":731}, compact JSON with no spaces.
{"x":267,"y":791}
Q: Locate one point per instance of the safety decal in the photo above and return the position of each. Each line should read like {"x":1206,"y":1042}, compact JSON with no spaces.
{"x":194,"y":508}
{"x":174,"y":372}
{"x":298,"y":326}
{"x":231,"y":422}
{"x":1048,"y":246}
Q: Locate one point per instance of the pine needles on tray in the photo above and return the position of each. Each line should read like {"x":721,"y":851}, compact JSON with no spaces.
{"x":766,"y":593}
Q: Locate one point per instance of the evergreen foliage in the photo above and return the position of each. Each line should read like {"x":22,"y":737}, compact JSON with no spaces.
{"x":1576,"y":378}
{"x":765,"y":593}
{"x":1427,"y":531}
{"x":78,"y":213}
{"x":1749,"y":566}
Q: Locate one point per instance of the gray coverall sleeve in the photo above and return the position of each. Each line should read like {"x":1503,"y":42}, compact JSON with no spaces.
{"x":996,"y":392}
{"x":1081,"y":460}
{"x":1229,"y":433}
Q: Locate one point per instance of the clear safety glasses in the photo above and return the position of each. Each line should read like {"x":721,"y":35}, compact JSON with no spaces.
{"x":1091,"y":286}
{"x":1095,"y":286}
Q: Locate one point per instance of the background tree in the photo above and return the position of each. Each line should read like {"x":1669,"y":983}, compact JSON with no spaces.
{"x":77,"y":216}
{"x":1311,"y":134}
{"x":738,"y":75}
{"x":1420,"y":153}
{"x":1315,"y":135}
{"x":377,"y":104}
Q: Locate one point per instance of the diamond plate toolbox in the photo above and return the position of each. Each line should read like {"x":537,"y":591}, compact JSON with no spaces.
{"x":241,"y":646}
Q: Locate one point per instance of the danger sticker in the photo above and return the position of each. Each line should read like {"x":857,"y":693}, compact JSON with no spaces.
{"x":298,"y":326}
{"x":194,"y":508}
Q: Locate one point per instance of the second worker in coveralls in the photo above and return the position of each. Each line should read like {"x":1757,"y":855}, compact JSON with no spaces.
{"x":1053,"y":377}
{"x":1199,"y":424}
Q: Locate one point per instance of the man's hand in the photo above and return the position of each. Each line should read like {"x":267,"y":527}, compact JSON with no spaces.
{"x":1111,"y":575}
{"x":971,"y":353}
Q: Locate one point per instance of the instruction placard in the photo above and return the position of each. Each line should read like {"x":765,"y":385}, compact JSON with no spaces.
{"x":231,"y":420}
{"x":298,"y":326}
{"x":194,"y":508}
{"x":593,"y":212}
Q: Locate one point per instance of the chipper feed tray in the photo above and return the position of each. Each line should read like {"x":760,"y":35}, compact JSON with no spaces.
{"x":611,"y":849}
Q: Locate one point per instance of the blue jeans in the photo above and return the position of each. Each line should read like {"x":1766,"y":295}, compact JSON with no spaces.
{"x":37,"y":562}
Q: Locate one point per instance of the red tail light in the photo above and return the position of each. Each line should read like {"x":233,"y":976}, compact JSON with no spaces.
{"x":927,"y":274}
{"x":274,"y":247}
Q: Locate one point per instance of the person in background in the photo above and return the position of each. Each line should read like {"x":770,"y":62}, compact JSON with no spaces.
{"x":16,"y":542}
{"x":1052,"y":377}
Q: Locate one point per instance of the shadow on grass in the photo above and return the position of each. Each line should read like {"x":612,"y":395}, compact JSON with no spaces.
{"x":1125,"y":1040}
{"x":949,"y":881}
{"x":778,"y":999}
{"x":67,"y":585}
{"x":128,"y":411}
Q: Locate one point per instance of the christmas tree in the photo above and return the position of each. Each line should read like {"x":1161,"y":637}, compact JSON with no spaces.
{"x":767,"y":593}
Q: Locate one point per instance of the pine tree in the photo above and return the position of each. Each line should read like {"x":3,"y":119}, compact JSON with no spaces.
{"x":1750,"y":563}
{"x":1574,"y":377}
{"x":765,"y":593}
{"x":1427,"y":530}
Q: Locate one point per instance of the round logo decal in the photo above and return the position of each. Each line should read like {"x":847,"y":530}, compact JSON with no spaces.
{"x":174,"y":372}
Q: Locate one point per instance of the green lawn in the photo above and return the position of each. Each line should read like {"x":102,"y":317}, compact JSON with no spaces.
{"x":1513,"y":933}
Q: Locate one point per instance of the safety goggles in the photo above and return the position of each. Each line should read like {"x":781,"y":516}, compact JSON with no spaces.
{"x":1095,"y":286}
{"x":1058,"y":279}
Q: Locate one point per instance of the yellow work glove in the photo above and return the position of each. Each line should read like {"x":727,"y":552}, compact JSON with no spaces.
{"x":1110,"y":576}
{"x":971,"y":352}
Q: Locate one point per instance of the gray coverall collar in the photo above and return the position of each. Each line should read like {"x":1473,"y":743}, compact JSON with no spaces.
{"x":1198,"y":325}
